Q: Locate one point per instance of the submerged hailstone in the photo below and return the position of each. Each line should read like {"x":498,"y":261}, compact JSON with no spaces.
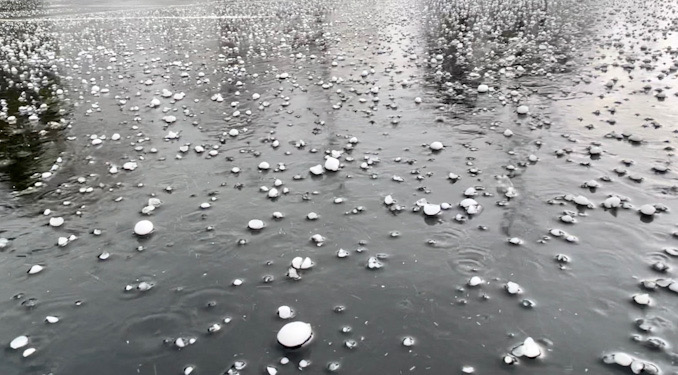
{"x":295,"y":334}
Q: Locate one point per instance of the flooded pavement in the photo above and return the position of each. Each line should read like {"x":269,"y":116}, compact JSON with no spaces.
{"x":360,"y":187}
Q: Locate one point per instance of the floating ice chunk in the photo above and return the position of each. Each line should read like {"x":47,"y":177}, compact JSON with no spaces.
{"x":373,"y":263}
{"x":408,"y":341}
{"x":51,"y":319}
{"x":317,"y":170}
{"x":529,"y":348}
{"x":56,"y":221}
{"x":35,"y":269}
{"x":255,"y":224}
{"x":143,"y":227}
{"x":264,"y":166}
{"x":642,"y":299}
{"x":432,"y":209}
{"x":285,"y":312}
{"x":612,"y":202}
{"x":513,"y":288}
{"x":28,"y":352}
{"x":647,"y":210}
{"x":474,"y":281}
{"x":19,"y":342}
{"x":295,"y":334}
{"x":436,"y":146}
{"x":332,"y":164}
{"x":522,"y":110}
{"x":188,"y":370}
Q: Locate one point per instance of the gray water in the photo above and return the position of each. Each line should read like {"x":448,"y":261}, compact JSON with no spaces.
{"x":555,"y":57}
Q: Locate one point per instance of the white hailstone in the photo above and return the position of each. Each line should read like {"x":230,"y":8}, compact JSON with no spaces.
{"x":470,"y":192}
{"x":317,"y":238}
{"x":436,"y":146}
{"x":256,"y":96}
{"x":169,"y":119}
{"x":233,"y":132}
{"x":28,"y":352}
{"x":19,"y":342}
{"x":341,"y":253}
{"x":199,"y":149}
{"x":388,"y":200}
{"x":155,"y":102}
{"x":62,"y":241}
{"x":567,"y":219}
{"x":205,"y":205}
{"x":533,"y":158}
{"x":255,"y":224}
{"x":515,"y":241}
{"x":166,"y":93}
{"x":468,"y":369}
{"x":475,"y":281}
{"x":143,"y":227}
{"x":582,"y":201}
{"x":144,"y":286}
{"x":304,"y":363}
{"x":312,"y":216}
{"x":317,"y":170}
{"x":188,"y":370}
{"x":51,"y":319}
{"x":647,"y":210}
{"x":513,"y":288}
{"x":237,"y":282}
{"x":104,"y":255}
{"x":180,"y":342}
{"x":129,"y":166}
{"x":270,"y":370}
{"x":285,"y":312}
{"x":179,"y":96}
{"x":273,"y":193}
{"x":35,"y":269}
{"x":113,"y":170}
{"x":115,"y":137}
{"x":408,"y":341}
{"x":612,"y":202}
{"x":642,"y":299}
{"x":529,"y":349}
{"x":3,"y":242}
{"x":332,"y":164}
{"x":264,"y":166}
{"x":483,"y":88}
{"x":373,"y":263}
{"x":508,"y":133}
{"x":522,"y":110}
{"x":295,"y":334}
{"x":452,"y":176}
{"x":417,"y":100}
{"x":432,"y":209}
{"x":278,"y":215}
{"x":623,"y":359}
{"x":235,"y":170}
{"x":302,"y":263}
{"x":56,"y":221}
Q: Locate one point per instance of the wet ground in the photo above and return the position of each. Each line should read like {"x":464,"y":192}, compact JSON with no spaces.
{"x":556,"y":118}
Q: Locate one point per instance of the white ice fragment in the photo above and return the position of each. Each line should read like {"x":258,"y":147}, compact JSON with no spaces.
{"x":19,"y":342}
{"x":642,"y":299}
{"x":436,"y":146}
{"x":317,"y":170}
{"x":255,"y":224}
{"x":51,"y":319}
{"x":332,"y":164}
{"x":529,"y":348}
{"x":294,"y":334}
{"x":647,"y":210}
{"x":35,"y":269}
{"x":285,"y":312}
{"x":513,"y":288}
{"x":475,"y":281}
{"x":432,"y":209}
{"x":143,"y":227}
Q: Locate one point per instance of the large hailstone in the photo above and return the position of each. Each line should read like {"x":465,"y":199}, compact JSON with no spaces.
{"x":295,"y":334}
